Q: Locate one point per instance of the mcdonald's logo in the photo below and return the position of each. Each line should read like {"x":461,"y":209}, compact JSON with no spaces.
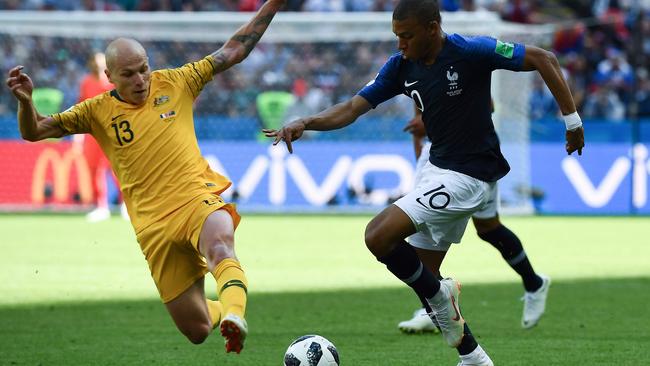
{"x":61,"y":164}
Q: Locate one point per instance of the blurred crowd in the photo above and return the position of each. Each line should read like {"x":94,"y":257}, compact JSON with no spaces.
{"x":507,"y":7}
{"x":605,"y":56}
{"x":312,"y":82}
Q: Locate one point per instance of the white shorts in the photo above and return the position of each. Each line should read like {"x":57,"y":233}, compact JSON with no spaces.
{"x":490,"y":210}
{"x":442,"y":203}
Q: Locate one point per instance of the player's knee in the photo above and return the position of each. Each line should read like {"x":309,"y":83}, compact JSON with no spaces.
{"x":224,"y":238}
{"x":197,"y":334}
{"x":374,"y":239}
{"x":219,"y":247}
{"x":484,"y":226}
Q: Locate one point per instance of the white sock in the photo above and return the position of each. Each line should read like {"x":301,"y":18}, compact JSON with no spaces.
{"x":477,"y":351}
{"x":477,"y":355}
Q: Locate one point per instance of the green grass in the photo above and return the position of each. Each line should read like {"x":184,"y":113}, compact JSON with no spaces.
{"x":75,"y":293}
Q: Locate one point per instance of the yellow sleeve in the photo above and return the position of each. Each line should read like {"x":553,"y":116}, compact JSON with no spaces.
{"x":76,"y":119}
{"x":194,"y":75}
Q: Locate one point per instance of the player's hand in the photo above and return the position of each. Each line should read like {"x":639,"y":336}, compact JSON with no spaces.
{"x":288,"y":133}
{"x":575,"y":140}
{"x":416,"y":127}
{"x":20,"y":84}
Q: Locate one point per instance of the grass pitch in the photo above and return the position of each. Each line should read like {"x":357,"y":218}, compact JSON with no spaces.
{"x":76,"y":293}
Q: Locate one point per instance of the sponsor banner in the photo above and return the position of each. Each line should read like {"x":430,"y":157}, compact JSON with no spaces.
{"x":43,"y":173}
{"x":606,"y":179}
{"x":319,"y":176}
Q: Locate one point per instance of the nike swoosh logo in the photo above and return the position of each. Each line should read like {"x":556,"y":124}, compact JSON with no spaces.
{"x":407,"y":84}
{"x":116,"y":117}
{"x":453,"y":304}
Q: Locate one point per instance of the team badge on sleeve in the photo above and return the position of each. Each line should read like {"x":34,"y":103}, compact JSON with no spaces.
{"x":505,"y":49}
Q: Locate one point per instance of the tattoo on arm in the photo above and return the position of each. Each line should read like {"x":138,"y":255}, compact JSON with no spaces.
{"x":220,"y":61}
{"x":248,"y":40}
{"x":265,"y":20}
{"x":225,"y":57}
{"x":242,"y":43}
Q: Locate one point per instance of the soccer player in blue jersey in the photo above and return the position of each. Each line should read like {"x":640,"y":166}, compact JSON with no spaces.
{"x":448,"y":76}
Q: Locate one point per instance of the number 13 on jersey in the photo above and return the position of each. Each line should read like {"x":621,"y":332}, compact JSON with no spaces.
{"x":123,"y":132}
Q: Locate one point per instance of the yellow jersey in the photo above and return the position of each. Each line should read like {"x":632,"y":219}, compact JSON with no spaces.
{"x":152,"y":147}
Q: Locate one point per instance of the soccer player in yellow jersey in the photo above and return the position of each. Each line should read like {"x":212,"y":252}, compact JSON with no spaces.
{"x":145,"y":126}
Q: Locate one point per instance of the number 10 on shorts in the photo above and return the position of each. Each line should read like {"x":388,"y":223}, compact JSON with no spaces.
{"x":431,"y":195}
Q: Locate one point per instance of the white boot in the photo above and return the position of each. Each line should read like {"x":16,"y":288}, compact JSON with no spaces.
{"x":447,"y":312}
{"x":419,"y":323}
{"x":535,"y":304}
{"x":98,"y":214}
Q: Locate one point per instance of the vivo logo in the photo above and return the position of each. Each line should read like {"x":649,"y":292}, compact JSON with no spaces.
{"x":346,"y":171}
{"x":598,"y":195}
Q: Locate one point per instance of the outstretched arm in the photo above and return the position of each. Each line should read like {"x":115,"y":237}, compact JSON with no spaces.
{"x":548,"y":67}
{"x":33,"y":126}
{"x":334,"y":117}
{"x":237,"y":48}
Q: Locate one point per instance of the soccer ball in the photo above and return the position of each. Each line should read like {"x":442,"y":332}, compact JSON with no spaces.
{"x":311,"y":350}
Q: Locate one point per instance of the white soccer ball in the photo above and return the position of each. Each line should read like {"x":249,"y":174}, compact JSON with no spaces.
{"x":311,"y":350}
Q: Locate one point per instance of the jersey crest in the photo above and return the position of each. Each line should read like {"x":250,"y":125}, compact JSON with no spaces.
{"x":452,"y":76}
{"x":160,"y":100}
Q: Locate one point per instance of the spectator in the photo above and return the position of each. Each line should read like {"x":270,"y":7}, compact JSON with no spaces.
{"x":570,"y":39}
{"x":517,"y":11}
{"x":643,"y":94}
{"x":324,"y":5}
{"x":604,"y":104}
{"x":359,"y":5}
{"x":468,"y":5}
{"x":616,"y":72}
{"x":615,"y":17}
{"x":249,"y":5}
{"x":94,"y":5}
{"x":449,"y":5}
{"x":271,"y":107}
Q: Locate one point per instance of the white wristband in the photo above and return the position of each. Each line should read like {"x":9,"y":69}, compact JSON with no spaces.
{"x":572,"y":121}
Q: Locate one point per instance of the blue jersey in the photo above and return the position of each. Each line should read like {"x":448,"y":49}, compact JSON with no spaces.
{"x":454,"y":96}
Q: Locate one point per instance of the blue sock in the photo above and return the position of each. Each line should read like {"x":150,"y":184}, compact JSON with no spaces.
{"x":509,"y":245}
{"x":468,"y":344}
{"x":405,"y":264}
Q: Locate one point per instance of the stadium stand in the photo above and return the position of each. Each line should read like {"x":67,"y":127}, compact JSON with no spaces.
{"x":609,"y":80}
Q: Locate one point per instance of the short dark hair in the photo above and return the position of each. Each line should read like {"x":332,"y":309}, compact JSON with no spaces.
{"x":425,"y":11}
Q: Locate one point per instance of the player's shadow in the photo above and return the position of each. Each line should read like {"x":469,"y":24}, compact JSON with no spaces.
{"x":594,"y":322}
